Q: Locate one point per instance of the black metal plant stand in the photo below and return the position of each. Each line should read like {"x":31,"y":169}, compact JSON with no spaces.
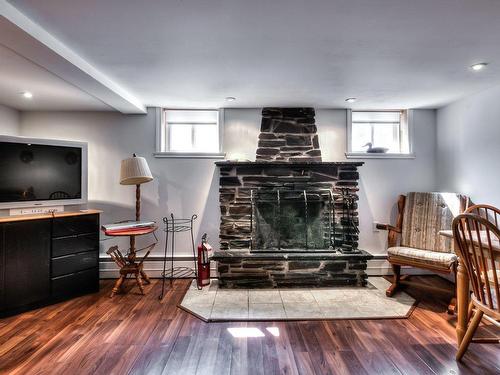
{"x":173,"y":226}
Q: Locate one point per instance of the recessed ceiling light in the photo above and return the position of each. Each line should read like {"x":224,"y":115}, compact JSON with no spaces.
{"x":230,"y":99}
{"x":351,"y":100}
{"x":478,"y":66}
{"x":27,"y":95}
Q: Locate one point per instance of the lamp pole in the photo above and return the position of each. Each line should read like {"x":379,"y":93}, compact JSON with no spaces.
{"x":132,"y":253}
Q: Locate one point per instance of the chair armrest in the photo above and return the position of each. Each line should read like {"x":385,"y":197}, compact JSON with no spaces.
{"x":387,"y":227}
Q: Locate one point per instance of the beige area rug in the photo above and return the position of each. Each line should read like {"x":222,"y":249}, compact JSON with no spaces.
{"x":213,"y":304}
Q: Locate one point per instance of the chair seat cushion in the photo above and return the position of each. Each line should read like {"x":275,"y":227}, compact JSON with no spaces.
{"x":433,"y":258}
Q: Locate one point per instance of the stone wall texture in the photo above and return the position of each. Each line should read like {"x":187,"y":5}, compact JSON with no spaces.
{"x":288,"y":160}
{"x":239,"y":179}
{"x":288,"y":134}
{"x":238,"y":270}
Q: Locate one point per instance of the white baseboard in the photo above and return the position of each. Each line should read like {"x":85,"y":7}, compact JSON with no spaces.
{"x":154,"y":268}
{"x":376,"y":267}
{"x":379,"y":266}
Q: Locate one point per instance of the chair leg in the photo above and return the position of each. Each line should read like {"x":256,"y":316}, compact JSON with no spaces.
{"x":469,"y":334}
{"x":452,"y":307}
{"x":470,"y":310}
{"x":117,"y":286}
{"x":145,"y":277}
{"x":395,"y":281}
{"x":139,"y":282}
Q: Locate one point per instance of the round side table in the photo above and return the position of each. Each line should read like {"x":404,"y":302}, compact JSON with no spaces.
{"x":128,"y":264}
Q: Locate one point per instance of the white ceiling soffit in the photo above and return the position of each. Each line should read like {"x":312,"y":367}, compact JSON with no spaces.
{"x":26,"y":38}
{"x":50,"y":93}
{"x":194,"y":53}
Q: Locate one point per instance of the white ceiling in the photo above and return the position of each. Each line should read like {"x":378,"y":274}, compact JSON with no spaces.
{"x":194,"y":53}
{"x":18,"y":75}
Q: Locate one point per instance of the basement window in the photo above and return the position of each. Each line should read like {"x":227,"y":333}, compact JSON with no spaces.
{"x":189,"y":133}
{"x":388,"y":132}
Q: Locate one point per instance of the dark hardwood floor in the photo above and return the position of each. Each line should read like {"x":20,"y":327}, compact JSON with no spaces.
{"x":132,"y":334}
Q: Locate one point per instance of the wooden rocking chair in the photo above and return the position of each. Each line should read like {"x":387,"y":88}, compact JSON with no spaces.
{"x":420,"y":218}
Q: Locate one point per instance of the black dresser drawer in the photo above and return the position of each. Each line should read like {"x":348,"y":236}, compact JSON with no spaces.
{"x":76,"y":283}
{"x":74,"y":262}
{"x":75,"y":244}
{"x":74,"y":225}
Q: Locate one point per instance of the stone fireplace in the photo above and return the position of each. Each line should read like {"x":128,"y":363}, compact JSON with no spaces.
{"x":289,"y":219}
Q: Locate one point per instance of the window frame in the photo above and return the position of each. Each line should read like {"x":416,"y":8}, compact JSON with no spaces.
{"x":163,"y":134}
{"x":363,"y":155}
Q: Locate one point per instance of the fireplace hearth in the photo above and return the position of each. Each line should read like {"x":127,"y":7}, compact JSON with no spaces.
{"x":289,"y":219}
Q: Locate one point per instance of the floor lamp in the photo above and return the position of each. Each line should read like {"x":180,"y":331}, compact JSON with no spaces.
{"x":134,"y":171}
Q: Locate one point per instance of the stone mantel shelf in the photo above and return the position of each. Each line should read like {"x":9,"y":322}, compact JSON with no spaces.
{"x":231,"y":163}
{"x":283,"y":255}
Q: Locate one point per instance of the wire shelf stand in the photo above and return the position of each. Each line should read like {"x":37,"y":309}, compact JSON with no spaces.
{"x":172,"y":226}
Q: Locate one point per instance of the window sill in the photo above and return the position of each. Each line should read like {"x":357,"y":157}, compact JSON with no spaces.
{"x":364,"y":155}
{"x":190,"y":155}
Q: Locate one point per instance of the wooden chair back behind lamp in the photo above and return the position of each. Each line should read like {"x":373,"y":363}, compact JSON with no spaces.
{"x":478,"y":245}
{"x":421,"y":216}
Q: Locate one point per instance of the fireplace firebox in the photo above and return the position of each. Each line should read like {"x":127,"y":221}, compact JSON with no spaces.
{"x":302,"y":220}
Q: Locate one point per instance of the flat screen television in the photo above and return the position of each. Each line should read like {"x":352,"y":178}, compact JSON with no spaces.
{"x":42,"y":172}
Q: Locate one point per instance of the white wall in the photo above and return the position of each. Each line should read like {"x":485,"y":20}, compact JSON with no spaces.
{"x":9,"y":121}
{"x":186,"y":186}
{"x":181,"y":186}
{"x":241,"y":133}
{"x":468,"y":137}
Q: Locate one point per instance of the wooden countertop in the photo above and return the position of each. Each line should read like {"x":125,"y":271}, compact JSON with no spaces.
{"x":10,"y":219}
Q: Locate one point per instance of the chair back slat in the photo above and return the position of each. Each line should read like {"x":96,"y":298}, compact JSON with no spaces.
{"x":494,"y":269}
{"x":490,"y":213}
{"x":425,"y":215}
{"x":478,"y":242}
{"x":481,"y":250}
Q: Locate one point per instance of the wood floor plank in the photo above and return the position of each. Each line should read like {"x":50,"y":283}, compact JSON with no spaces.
{"x":408,"y":362}
{"x":223,"y":358}
{"x":135,"y":334}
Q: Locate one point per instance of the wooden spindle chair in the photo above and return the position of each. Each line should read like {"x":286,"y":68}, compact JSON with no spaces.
{"x":421,"y":216}
{"x":129,"y":266}
{"x":490,"y":213}
{"x":478,"y":245}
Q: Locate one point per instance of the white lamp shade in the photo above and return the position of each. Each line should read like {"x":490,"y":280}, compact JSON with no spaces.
{"x":135,"y":171}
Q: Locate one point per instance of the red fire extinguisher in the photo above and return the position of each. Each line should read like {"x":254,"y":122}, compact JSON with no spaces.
{"x":204,"y":253}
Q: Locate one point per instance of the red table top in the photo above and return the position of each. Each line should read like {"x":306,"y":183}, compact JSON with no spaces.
{"x":131,"y":232}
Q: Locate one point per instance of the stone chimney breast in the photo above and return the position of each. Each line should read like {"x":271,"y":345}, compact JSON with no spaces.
{"x":288,"y":134}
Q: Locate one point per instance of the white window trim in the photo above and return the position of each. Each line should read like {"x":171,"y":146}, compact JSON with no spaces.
{"x":161,"y":139}
{"x":363,"y":155}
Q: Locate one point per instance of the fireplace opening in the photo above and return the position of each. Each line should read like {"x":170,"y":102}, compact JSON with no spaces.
{"x":302,"y":221}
